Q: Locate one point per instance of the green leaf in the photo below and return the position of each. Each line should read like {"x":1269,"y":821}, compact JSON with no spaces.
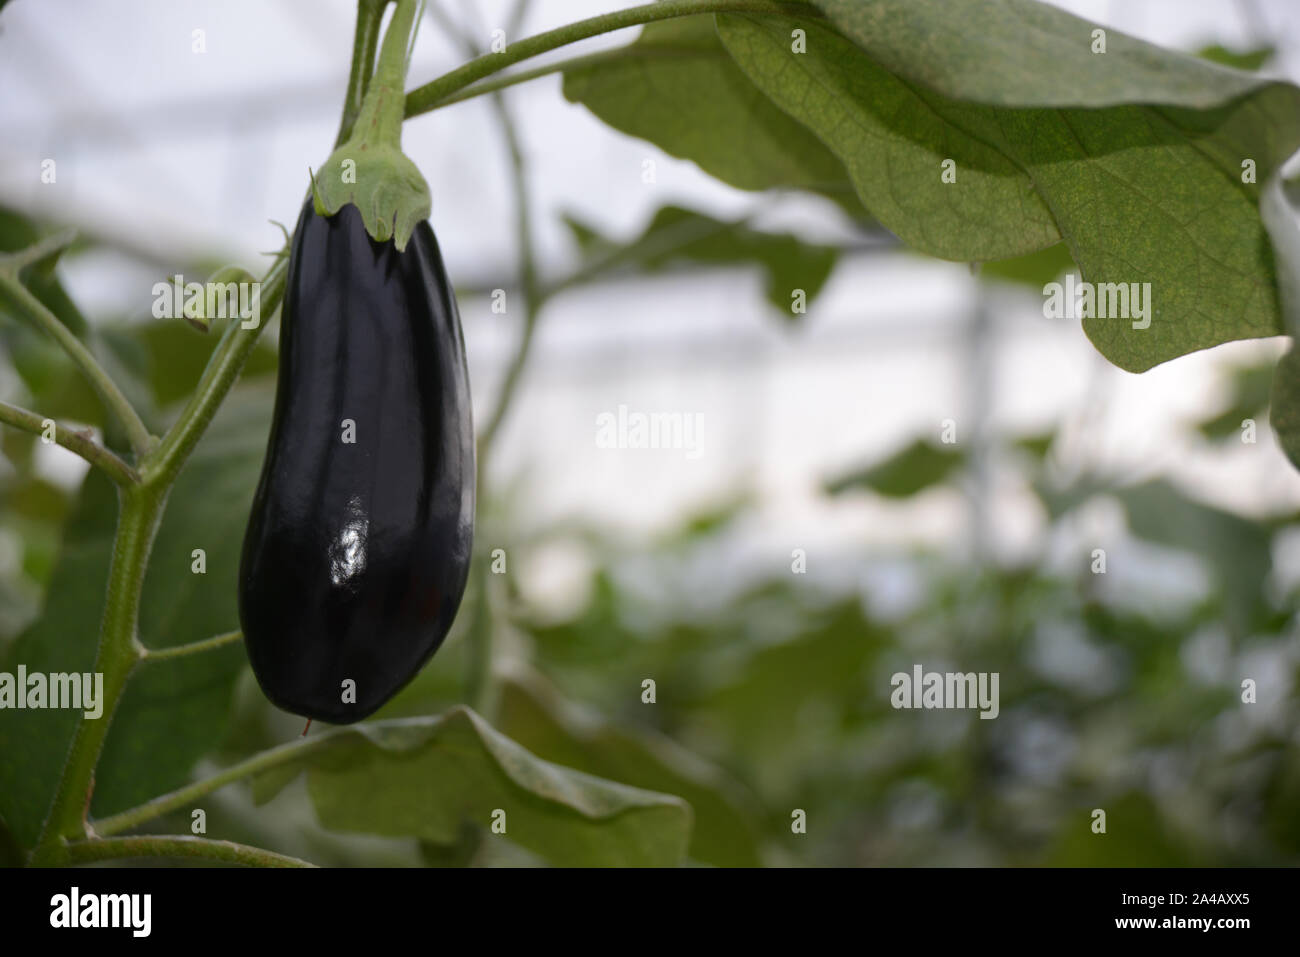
{"x":175,"y":357}
{"x":677,"y":87}
{"x":1284,"y":414}
{"x":676,"y":234}
{"x":1250,"y":396}
{"x":1238,"y":60}
{"x":1033,"y":269}
{"x":532,"y":713}
{"x":905,"y":473}
{"x":1027,"y":53}
{"x":172,"y":712}
{"x":18,"y":232}
{"x":1037,"y":445}
{"x":423,"y":777}
{"x":33,"y":743}
{"x":1139,"y":193}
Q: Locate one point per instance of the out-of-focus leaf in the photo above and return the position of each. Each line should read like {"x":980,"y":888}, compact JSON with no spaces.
{"x":677,"y":87}
{"x":172,"y":712}
{"x":18,"y":232}
{"x":678,"y":235}
{"x":1137,"y":835}
{"x":424,"y":777}
{"x":57,"y":387}
{"x":1036,"y":445}
{"x":905,"y":473}
{"x":1284,"y":414}
{"x":1237,"y":549}
{"x":532,"y":713}
{"x":171,"y":356}
{"x":1035,"y":269}
{"x":818,"y":677}
{"x":1251,"y":386}
{"x":1237,"y":59}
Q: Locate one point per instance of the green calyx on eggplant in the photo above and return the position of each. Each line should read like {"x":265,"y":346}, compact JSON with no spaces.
{"x":358,"y":545}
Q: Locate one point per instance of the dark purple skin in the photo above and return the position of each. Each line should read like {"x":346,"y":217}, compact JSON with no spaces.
{"x":356,"y":555}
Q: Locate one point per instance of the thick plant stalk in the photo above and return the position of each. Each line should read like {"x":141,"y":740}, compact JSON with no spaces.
{"x":141,"y":512}
{"x":435,"y":94}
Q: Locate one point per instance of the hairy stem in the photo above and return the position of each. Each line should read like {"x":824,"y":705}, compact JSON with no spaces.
{"x":138,"y":518}
{"x":370,"y":13}
{"x":380,"y":119}
{"x":182,"y":797}
{"x":73,"y":441}
{"x":117,"y":404}
{"x":54,"y":243}
{"x":432,"y":95}
{"x":498,"y":83}
{"x":141,"y":511}
{"x":193,"y":648}
{"x":166,"y":845}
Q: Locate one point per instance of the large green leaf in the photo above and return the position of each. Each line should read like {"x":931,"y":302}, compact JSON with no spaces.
{"x":172,"y":712}
{"x":677,"y":87}
{"x":533,"y":713}
{"x":1027,"y":53}
{"x":424,"y":777}
{"x":675,"y":234}
{"x":1145,"y":194}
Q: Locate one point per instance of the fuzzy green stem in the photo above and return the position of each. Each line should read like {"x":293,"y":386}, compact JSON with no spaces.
{"x":370,"y":13}
{"x":141,"y":511}
{"x":54,"y":243}
{"x":498,"y":83}
{"x":434,"y":94}
{"x":184,"y":796}
{"x":151,"y":655}
{"x":73,"y":441}
{"x":172,"y":846}
{"x":35,"y":310}
{"x":380,"y":120}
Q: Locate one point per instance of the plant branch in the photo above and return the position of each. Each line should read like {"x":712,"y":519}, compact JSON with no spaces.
{"x":479,"y":637}
{"x":73,"y":441}
{"x":370,"y":13}
{"x":498,"y":83}
{"x":433,"y":94}
{"x":35,"y":310}
{"x":220,"y":375}
{"x":193,"y":648}
{"x":117,"y":656}
{"x":22,"y":258}
{"x":167,"y":845}
{"x":181,"y":797}
{"x":533,"y":296}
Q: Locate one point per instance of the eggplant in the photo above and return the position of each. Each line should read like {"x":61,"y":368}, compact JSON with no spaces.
{"x":358,"y":544}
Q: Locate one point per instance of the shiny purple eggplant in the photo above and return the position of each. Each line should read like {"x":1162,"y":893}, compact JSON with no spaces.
{"x":358,"y":545}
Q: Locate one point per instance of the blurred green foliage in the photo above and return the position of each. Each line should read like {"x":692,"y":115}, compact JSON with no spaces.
{"x":768,"y":700}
